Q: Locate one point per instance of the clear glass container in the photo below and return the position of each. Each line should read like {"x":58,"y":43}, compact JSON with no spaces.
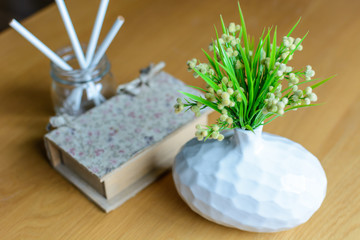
{"x":76,"y":91}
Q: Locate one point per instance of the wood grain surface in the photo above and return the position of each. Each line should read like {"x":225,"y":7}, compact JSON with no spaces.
{"x":37,"y":203}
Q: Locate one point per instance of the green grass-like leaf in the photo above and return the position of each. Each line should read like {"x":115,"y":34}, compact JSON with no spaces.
{"x":207,"y":80}
{"x":201,"y":100}
{"x":256,"y":78}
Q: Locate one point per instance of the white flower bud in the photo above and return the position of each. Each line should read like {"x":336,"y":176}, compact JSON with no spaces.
{"x":291,"y":40}
{"x":211,"y":47}
{"x":299,"y":93}
{"x":308,"y":90}
{"x":230,"y":91}
{"x":285,"y":100}
{"x":307,"y":101}
{"x":238,"y":98}
{"x":282,"y":67}
{"x":310,"y":73}
{"x":288,"y":69}
{"x":297,"y":41}
{"x":178,"y":107}
{"x":313,"y":97}
{"x":232,"y":27}
{"x":215,"y":128}
{"x":262,"y":54}
{"x":286,"y":41}
{"x":226,"y":102}
{"x":292,"y":76}
{"x":229,"y":120}
{"x":270,"y":95}
{"x":223,"y":117}
{"x":195,"y":109}
{"x":280,"y":105}
{"x":273,"y":108}
{"x":225,"y":96}
{"x":208,"y":96}
{"x":295,"y":98}
{"x":238,"y":65}
{"x":220,"y":137}
{"x":198,"y":133}
{"x":204,"y":133}
{"x":285,"y":55}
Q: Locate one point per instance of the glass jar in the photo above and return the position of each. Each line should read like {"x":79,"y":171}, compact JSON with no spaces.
{"x":76,"y":91}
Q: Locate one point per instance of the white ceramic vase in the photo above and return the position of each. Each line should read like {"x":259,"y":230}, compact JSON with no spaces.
{"x":255,"y":182}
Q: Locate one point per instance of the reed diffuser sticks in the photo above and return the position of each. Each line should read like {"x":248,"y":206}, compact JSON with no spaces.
{"x":93,"y":53}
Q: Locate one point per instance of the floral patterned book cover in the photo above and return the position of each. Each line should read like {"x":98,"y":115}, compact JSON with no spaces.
{"x":107,"y":136}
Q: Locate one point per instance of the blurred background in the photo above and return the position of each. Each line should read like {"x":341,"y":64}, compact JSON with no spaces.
{"x":19,"y":9}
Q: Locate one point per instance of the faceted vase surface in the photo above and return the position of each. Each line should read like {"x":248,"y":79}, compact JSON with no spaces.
{"x":255,"y":182}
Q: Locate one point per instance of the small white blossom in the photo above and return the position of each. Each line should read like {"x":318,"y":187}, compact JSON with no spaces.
{"x":223,"y":117}
{"x":313,"y":97}
{"x":307,"y":101}
{"x":229,"y":120}
{"x":215,"y":128}
{"x":225,"y":96}
{"x":220,"y":137}
{"x":308,"y":90}
{"x":232,"y":27}
{"x":225,"y":102}
{"x":285,"y":100}
{"x":238,"y":65}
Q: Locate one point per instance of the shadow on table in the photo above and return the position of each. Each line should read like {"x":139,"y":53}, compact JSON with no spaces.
{"x":171,"y":200}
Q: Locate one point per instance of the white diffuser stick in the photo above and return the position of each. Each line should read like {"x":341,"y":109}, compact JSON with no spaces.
{"x":39,"y":45}
{"x":71,"y":32}
{"x":108,"y":39}
{"x":96,"y":32}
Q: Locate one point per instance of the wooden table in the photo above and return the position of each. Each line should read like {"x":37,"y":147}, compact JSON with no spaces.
{"x":37,"y":203}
